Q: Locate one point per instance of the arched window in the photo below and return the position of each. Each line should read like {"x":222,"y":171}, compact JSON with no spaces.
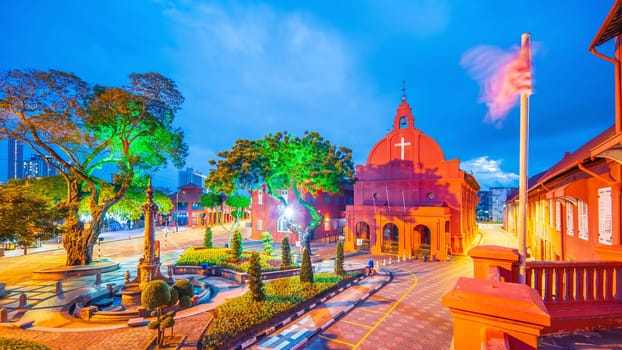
{"x":362,"y":235}
{"x":282,"y":224}
{"x":390,"y":238}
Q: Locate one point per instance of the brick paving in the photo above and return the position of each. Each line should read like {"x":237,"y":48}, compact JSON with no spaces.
{"x":405,"y":314}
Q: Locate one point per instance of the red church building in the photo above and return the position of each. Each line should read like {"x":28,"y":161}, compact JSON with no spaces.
{"x":408,"y":199}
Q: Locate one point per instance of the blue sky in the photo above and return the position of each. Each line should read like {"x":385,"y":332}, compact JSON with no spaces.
{"x":248,"y":68}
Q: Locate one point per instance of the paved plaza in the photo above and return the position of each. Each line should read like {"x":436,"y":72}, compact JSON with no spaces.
{"x":398,"y":308}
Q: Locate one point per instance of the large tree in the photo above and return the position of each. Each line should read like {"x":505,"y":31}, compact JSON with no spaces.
{"x":281,"y":161}
{"x":237,"y":202}
{"x":87,"y":131}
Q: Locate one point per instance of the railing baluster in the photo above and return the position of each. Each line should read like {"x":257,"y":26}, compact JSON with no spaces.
{"x":548,"y":284}
{"x":608,"y":275}
{"x":579,"y":292}
{"x":568,"y":280}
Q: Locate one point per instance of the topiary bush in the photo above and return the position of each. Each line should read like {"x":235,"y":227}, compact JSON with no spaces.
{"x":286,"y":253}
{"x":306,"y":270}
{"x":157,"y":295}
{"x":236,"y":246}
{"x":255,"y":285}
{"x":185,"y":301}
{"x":174,"y":296}
{"x":266,"y":240}
{"x":207,"y":239}
{"x":184,"y":287}
{"x":339,"y":259}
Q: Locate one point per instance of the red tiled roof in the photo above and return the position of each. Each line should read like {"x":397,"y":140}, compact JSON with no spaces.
{"x":570,"y":160}
{"x":611,"y":27}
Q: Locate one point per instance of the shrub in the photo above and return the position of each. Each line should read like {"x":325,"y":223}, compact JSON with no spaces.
{"x":236,"y":246}
{"x":255,"y":285}
{"x":174,"y":296}
{"x":157,"y":295}
{"x":207,"y":240}
{"x":184,"y":287}
{"x":8,"y":343}
{"x":266,"y":240}
{"x":286,"y":253}
{"x":306,"y":270}
{"x":219,"y":256}
{"x":185,"y":301}
{"x":339,"y":259}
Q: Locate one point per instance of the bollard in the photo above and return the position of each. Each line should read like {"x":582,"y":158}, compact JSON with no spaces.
{"x":98,"y":278}
{"x":384,"y":262}
{"x":22,"y":301}
{"x":390,"y":260}
{"x":110,"y":289}
{"x":3,"y":315}
{"x":398,"y":258}
{"x":404,"y":257}
{"x":59,"y":287}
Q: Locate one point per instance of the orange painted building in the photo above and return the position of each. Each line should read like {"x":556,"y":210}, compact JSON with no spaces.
{"x":408,"y":199}
{"x":574,"y":208}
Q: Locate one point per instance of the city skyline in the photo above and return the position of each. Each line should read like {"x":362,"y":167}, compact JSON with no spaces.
{"x":250,"y":68}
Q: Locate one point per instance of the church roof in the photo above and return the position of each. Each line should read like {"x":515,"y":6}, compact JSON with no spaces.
{"x":405,"y":142}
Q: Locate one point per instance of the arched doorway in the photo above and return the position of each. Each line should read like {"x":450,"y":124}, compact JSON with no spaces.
{"x":421,"y":234}
{"x":390,"y":238}
{"x":362,"y":235}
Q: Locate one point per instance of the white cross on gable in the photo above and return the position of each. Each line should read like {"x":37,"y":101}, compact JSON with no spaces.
{"x":402,"y":145}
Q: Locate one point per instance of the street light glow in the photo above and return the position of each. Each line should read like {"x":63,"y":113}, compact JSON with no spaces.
{"x":289,"y":212}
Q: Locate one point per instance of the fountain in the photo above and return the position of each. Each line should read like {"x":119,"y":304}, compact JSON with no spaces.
{"x":149,"y":265}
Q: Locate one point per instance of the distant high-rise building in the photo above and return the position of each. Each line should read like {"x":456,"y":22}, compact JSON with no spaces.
{"x":484,"y":207}
{"x":498,"y":197}
{"x":189,"y":176}
{"x":4,"y":160}
{"x":15,"y":155}
{"x":37,"y":166}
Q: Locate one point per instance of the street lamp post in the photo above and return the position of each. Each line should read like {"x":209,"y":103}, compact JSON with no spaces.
{"x":177,"y":212}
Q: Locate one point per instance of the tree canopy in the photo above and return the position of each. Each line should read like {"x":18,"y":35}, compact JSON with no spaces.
{"x":25,"y":215}
{"x":306,"y":164}
{"x":88,"y":132}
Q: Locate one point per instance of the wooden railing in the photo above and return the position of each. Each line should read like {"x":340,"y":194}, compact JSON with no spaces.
{"x":576,"y":282}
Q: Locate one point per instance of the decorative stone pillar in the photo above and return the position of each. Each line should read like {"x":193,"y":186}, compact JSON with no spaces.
{"x":149,"y":266}
{"x":495,"y":263}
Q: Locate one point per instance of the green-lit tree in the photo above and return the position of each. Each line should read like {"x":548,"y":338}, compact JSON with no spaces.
{"x":25,"y":215}
{"x":306,"y":269}
{"x":236,"y":246}
{"x":286,"y":253}
{"x":157,"y":295}
{"x":81,"y":129}
{"x":207,"y":240}
{"x":238,"y":203}
{"x":255,"y":285}
{"x":339,"y":259}
{"x":280,"y":161}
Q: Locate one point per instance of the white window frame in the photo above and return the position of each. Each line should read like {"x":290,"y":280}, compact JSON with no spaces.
{"x":285,"y":194}
{"x":259,"y":224}
{"x":569,"y":218}
{"x":558,"y":215}
{"x":582,"y":220}
{"x":281,"y":224}
{"x":259,"y":197}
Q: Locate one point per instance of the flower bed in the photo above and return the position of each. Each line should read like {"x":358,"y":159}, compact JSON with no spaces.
{"x":221,"y":257}
{"x":241,"y":318}
{"x":20,"y":344}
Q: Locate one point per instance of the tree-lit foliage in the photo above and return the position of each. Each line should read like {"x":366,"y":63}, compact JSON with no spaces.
{"x":82,"y":129}
{"x":282,"y":161}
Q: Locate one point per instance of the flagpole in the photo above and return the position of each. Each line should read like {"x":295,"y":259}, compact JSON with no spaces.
{"x":522,"y":184}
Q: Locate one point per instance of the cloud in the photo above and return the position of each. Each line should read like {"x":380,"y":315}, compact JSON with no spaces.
{"x":488,"y":173}
{"x":250,"y":70}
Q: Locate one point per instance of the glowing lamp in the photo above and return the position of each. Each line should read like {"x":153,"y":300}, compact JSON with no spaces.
{"x":289,"y":212}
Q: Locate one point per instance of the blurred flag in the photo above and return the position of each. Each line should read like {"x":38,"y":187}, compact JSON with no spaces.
{"x":502,"y":75}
